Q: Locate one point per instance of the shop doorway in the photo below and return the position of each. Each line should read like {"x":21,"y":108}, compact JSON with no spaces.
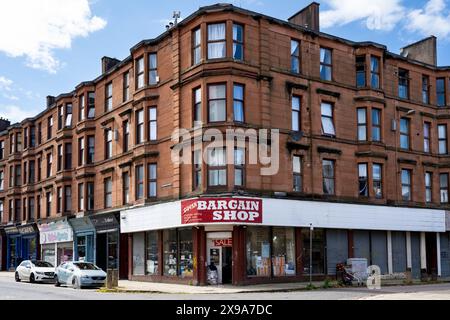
{"x":219,"y":253}
{"x":430,"y":241}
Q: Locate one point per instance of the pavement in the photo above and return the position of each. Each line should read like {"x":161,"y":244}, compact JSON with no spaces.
{"x":131,"y":290}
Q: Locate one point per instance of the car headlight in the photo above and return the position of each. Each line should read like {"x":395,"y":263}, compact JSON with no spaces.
{"x":39,"y":272}
{"x":85,"y":277}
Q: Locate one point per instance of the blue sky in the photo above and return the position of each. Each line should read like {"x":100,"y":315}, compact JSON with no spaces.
{"x":57,"y":44}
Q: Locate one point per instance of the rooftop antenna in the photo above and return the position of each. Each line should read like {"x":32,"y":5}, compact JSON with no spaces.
{"x":176,"y":16}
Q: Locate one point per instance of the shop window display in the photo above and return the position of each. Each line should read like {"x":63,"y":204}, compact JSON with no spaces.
{"x":283,"y":255}
{"x":84,"y":248}
{"x":170,"y":252}
{"x":258,"y":251}
{"x":186,"y":256}
{"x":152,"y":253}
{"x":138,"y":254}
{"x":318,"y":251}
{"x":112,"y":250}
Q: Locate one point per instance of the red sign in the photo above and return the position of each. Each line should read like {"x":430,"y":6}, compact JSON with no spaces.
{"x":223,"y":242}
{"x":221,"y":210}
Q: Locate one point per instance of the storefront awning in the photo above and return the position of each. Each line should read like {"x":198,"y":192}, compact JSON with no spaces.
{"x":82,"y":224}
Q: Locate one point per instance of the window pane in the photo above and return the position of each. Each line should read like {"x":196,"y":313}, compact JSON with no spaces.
{"x":283,"y":255}
{"x":217,"y":110}
{"x":328,"y":126}
{"x":238,"y":177}
{"x":186,"y":245}
{"x":239,"y":157}
{"x":404,"y":142}
{"x":238,"y":33}
{"x":217,"y":92}
{"x":238,"y":109}
{"x":406,"y":179}
{"x":376,"y":117}
{"x":325,"y":56}
{"x":362,"y":116}
{"x":152,"y":253}
{"x":258,"y":251}
{"x":216,"y":31}
{"x":296,"y":103}
{"x":325,"y":73}
{"x":216,"y":50}
{"x":442,"y":132}
{"x":295,"y":121}
{"x":197,"y":37}
{"x":153,"y":61}
{"x":238,"y":92}
{"x":327,"y":109}
{"x":296,"y":165}
{"x":170,"y":252}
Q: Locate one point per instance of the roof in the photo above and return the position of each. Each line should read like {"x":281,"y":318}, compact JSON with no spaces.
{"x":221,"y":7}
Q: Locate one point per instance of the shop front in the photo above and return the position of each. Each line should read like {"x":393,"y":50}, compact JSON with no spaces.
{"x":2,"y":250}
{"x":83,"y":239}
{"x":107,"y":240}
{"x":22,"y":243}
{"x":256,"y":240}
{"x":56,"y":240}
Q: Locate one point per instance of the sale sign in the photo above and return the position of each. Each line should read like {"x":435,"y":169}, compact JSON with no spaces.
{"x":223,"y":242}
{"x":221,"y":210}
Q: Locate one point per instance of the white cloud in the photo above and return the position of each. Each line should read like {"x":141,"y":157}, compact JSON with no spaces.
{"x":376,"y":15}
{"x":433,"y":19}
{"x":5,"y":84}
{"x":14,"y":113}
{"x":10,"y":97}
{"x":39,"y":27}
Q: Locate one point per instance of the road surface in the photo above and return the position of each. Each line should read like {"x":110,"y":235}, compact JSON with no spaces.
{"x":11,"y":290}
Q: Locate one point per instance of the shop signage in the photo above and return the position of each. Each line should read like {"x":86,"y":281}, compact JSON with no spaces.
{"x":105,"y":222}
{"x":223,"y":242}
{"x":62,"y":235}
{"x":26,"y":229}
{"x":11,"y":230}
{"x":55,"y":232}
{"x":221,"y":210}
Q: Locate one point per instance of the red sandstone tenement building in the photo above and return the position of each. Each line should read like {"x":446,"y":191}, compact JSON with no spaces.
{"x":363,"y":155}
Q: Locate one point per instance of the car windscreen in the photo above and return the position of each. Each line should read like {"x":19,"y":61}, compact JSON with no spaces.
{"x":42,"y":264}
{"x":86,"y":266}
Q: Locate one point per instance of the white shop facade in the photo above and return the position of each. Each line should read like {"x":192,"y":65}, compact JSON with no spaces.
{"x":263,"y":240}
{"x":56,"y":239}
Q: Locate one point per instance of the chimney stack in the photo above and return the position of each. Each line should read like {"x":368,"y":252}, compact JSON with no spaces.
{"x":4,"y":123}
{"x":424,"y":51}
{"x":308,"y":17}
{"x":50,"y":101}
{"x":108,"y":63}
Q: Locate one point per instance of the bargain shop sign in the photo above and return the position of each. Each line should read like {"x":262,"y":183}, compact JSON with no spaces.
{"x":221,"y":210}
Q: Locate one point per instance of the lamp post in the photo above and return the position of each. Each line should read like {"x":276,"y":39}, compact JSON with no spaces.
{"x":311,"y":228}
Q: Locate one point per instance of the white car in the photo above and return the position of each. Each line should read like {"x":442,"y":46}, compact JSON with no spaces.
{"x":35,"y":271}
{"x":79,"y":275}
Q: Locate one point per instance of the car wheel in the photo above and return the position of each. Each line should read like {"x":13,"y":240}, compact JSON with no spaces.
{"x":16,"y":276}
{"x":32,"y":279}
{"x":57,"y":284}
{"x":76,"y":283}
